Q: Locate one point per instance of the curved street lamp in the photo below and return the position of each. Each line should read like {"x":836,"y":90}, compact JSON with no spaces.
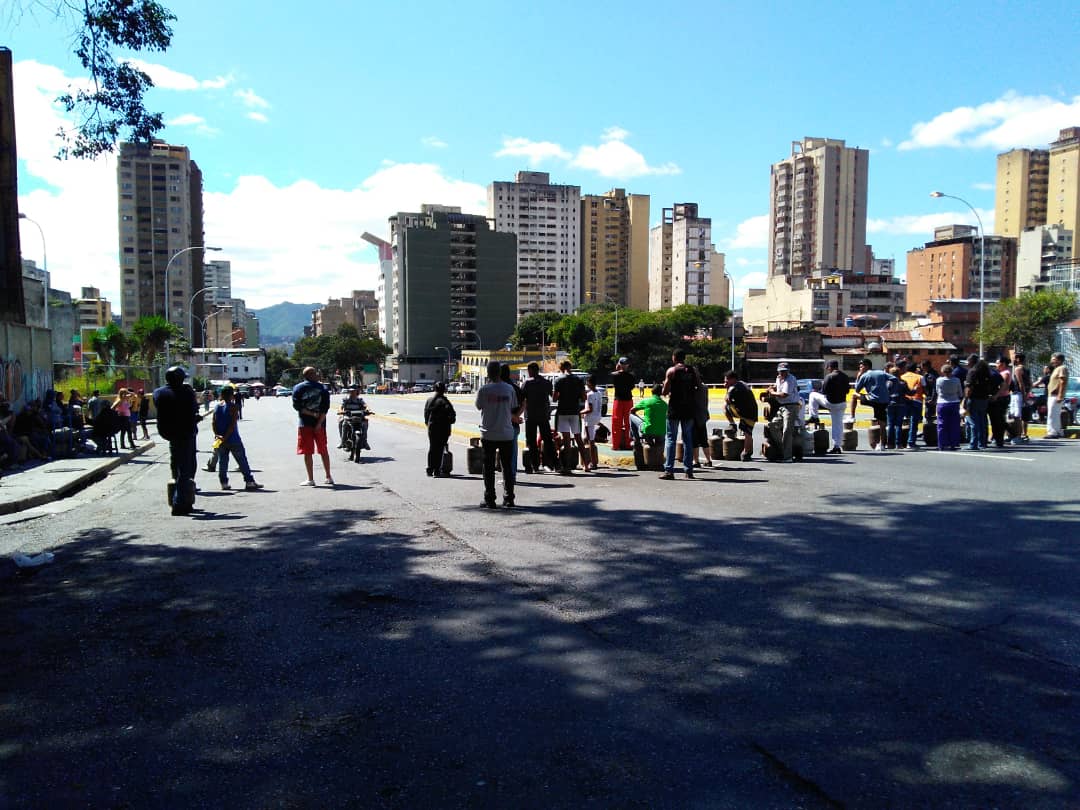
{"x":982,"y":258}
{"x":731,"y":290}
{"x":44,"y":264}
{"x":463,"y":332}
{"x":191,"y":304}
{"x":168,"y":267}
{"x":446,"y":371}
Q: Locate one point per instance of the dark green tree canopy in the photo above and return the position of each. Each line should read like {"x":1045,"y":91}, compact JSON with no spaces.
{"x":1027,"y":322}
{"x":112,"y":107}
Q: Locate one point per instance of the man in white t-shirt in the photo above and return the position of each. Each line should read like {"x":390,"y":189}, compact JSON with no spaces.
{"x":786,"y":391}
{"x":590,"y":417}
{"x":497,"y":402}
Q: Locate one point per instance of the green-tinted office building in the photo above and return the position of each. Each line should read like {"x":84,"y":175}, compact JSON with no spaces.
{"x":454,"y":284}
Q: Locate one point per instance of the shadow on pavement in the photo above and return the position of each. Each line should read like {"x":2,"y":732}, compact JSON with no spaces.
{"x":929,"y":660}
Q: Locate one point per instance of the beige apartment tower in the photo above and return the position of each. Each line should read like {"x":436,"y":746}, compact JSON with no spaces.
{"x":1063,"y":202}
{"x":817,"y":210}
{"x":683,"y":263}
{"x":1020,"y":191}
{"x":615,"y":249}
{"x":160,"y":212}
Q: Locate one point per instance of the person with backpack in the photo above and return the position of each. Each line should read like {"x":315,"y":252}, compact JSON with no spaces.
{"x":177,"y":422}
{"x":439,"y":416}
{"x":680,"y":386}
{"x":227,"y":440}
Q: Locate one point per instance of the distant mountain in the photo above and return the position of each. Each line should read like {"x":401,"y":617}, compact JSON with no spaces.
{"x":283,"y":322}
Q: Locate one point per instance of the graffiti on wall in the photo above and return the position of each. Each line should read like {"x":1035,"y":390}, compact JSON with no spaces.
{"x":20,"y":384}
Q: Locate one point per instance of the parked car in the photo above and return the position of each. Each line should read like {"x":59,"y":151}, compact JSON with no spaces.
{"x":282,"y":391}
{"x":422,"y":388}
{"x":1070,"y":404}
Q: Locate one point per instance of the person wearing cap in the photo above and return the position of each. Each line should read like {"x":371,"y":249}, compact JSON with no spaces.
{"x":177,"y":422}
{"x":227,"y":440}
{"x":741,"y":409}
{"x":623,"y":383}
{"x":786,"y":392}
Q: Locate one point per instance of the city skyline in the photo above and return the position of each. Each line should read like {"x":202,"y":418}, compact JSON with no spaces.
{"x":296,"y":170}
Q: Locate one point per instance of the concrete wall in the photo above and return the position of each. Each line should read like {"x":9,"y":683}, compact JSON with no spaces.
{"x":25,"y":363}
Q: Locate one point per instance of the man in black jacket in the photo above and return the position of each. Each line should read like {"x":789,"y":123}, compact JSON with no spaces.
{"x":177,"y":420}
{"x":537,"y":391}
{"x":439,"y":416}
{"x":834,"y":392}
{"x":741,"y":408}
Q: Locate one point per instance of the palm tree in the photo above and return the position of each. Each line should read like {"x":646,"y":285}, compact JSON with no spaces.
{"x":151,"y":333}
{"x":112,"y":346}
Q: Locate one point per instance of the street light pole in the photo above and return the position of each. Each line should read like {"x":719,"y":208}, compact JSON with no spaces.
{"x":168,"y":267}
{"x":191,"y":304}
{"x":982,"y":259}
{"x":44,"y":263}
{"x":446,"y":371}
{"x":731,"y":291}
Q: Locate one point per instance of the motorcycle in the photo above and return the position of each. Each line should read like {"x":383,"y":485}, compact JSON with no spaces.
{"x":354,"y":428}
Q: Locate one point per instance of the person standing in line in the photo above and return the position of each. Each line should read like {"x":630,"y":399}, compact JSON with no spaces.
{"x":898,"y":408}
{"x":1055,"y":393}
{"x":623,"y":384}
{"x":958,"y":369}
{"x":786,"y":391}
{"x":569,"y":394}
{"x":1021,"y":385}
{"x":144,"y":413}
{"x":915,"y":400}
{"x":225,"y":430}
{"x":680,"y":385}
{"x":949,"y":393}
{"x":590,"y":417}
{"x":311,"y":401}
{"x":834,"y":392}
{"x":929,"y":384}
{"x":497,"y":401}
{"x":874,"y":387}
{"x":977,"y":391}
{"x":537,"y":393}
{"x":122,"y":405}
{"x":701,"y":424}
{"x":96,"y":404}
{"x":177,"y":422}
{"x":741,"y":409}
{"x":439,"y":416}
{"x":516,"y":417}
{"x":998,"y":410}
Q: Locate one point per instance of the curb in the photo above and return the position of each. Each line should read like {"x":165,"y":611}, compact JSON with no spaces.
{"x":75,"y":485}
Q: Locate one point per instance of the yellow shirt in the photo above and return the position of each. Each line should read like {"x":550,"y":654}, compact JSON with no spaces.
{"x":1056,"y":386}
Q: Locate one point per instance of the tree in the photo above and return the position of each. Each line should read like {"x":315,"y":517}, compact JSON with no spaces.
{"x":112,"y":106}
{"x":276,"y":363}
{"x":533,"y":329}
{"x":151,"y":333}
{"x":111,"y":345}
{"x":1027,"y":322}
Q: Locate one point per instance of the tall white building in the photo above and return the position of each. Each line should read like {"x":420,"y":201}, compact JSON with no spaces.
{"x":1041,"y":249}
{"x":546,"y":219}
{"x":684,"y":267}
{"x":217,"y":274}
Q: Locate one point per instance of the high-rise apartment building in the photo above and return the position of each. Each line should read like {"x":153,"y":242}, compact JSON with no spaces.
{"x":1041,"y":251}
{"x":218,"y":275}
{"x":546,"y":219}
{"x":383,"y":286}
{"x":615,"y":249}
{"x":1063,"y":202}
{"x":1020,"y":190}
{"x":453,"y":286}
{"x":684,"y":267}
{"x":360,"y":310}
{"x":817,"y":210}
{"x":160,"y":212}
{"x":949,"y":267}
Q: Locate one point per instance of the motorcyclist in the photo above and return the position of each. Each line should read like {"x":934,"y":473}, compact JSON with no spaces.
{"x":352,"y":405}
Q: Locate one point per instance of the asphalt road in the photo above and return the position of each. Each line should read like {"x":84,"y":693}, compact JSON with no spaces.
{"x":870,"y":630}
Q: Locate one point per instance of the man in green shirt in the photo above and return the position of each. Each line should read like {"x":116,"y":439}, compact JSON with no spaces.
{"x":653,"y":416}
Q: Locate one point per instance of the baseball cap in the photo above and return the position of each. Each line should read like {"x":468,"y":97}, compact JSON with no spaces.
{"x":782,"y":367}
{"x":624,"y":361}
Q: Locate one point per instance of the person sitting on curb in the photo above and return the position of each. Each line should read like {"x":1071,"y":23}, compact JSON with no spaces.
{"x":741,"y":409}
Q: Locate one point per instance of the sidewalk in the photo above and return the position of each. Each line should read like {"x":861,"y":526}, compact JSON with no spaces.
{"x":53,"y":480}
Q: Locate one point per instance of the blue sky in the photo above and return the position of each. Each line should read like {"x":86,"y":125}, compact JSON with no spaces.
{"x":313,"y":127}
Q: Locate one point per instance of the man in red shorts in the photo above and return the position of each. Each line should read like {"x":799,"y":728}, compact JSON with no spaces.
{"x":311,"y":401}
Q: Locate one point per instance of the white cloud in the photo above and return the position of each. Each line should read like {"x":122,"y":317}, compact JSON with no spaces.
{"x":299,"y":242}
{"x":197,"y":122}
{"x":615,"y":158}
{"x":1010,"y":121}
{"x":751,"y":233}
{"x":747,"y":281}
{"x":742,"y":261}
{"x":258,"y":116}
{"x":886,"y":143}
{"x":535,"y":152}
{"x":983,"y":186}
{"x":434,"y":142}
{"x":251,"y":99}
{"x":169,"y":79}
{"x":922,"y":225}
